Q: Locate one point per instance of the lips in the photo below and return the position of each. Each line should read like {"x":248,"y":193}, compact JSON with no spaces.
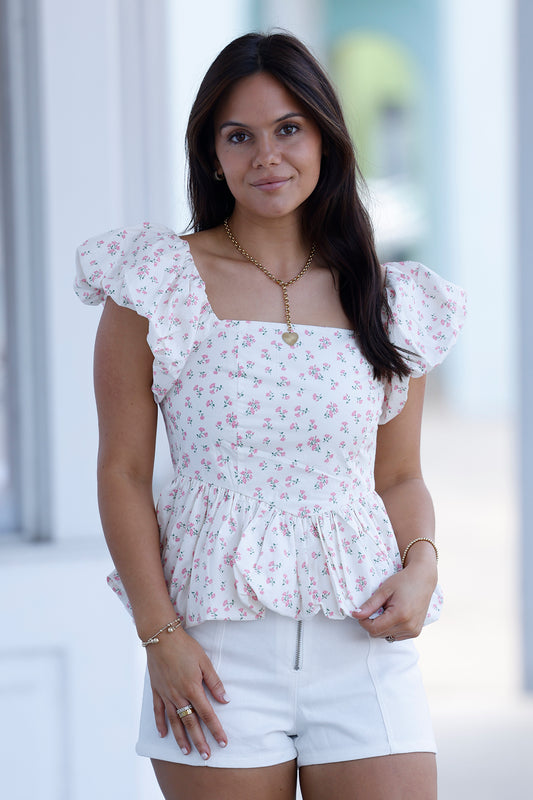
{"x":272,"y":182}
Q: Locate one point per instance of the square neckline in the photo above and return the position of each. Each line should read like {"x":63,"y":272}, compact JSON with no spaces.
{"x":302,"y":325}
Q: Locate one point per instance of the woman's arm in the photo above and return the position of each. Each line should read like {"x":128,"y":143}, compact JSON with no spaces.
{"x":127,"y":416}
{"x":405,"y":596}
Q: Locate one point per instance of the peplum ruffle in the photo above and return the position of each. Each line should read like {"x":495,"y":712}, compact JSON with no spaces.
{"x":226,"y":555}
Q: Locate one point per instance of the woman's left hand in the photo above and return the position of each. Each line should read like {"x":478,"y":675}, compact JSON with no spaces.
{"x":404,"y":599}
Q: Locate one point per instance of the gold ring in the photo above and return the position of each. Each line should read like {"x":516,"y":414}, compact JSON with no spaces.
{"x":185,"y":711}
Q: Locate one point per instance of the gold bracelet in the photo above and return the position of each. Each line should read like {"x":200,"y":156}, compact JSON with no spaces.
{"x":420,"y":539}
{"x":170,"y":627}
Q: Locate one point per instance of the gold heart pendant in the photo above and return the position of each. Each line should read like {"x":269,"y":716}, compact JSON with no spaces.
{"x":290,"y":337}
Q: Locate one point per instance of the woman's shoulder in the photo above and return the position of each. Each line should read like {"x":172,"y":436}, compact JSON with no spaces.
{"x":205,"y":246}
{"x":424,"y":317}
{"x":413,"y":273}
{"x":148,"y":268}
{"x":132,"y":265}
{"x":119,"y":238}
{"x":413,"y":288}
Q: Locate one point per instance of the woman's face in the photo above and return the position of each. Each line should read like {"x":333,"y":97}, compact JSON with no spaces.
{"x":267,"y":146}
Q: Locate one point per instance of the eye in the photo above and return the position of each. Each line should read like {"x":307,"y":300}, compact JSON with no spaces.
{"x":238,"y":137}
{"x":289,"y":129}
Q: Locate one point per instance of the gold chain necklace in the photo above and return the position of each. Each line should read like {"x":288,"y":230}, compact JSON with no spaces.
{"x":289,"y":336}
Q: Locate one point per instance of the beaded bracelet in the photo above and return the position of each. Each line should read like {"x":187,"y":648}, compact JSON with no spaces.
{"x":170,"y":627}
{"x":420,"y":539}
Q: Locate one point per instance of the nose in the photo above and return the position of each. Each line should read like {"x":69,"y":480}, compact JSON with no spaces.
{"x":267,"y":152}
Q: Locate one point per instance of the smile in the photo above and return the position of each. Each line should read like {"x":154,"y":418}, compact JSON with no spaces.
{"x":270,"y":184}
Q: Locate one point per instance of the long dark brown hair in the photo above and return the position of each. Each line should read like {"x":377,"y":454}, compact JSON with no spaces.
{"x":333,"y":216}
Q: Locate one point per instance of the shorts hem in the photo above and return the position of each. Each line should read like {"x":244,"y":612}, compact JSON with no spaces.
{"x":310,"y":759}
{"x":219,"y":762}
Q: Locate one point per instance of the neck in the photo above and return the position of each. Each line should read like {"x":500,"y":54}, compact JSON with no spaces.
{"x":277,"y":243}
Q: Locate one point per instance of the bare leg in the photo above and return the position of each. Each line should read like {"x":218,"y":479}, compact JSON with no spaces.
{"x":182,"y":782}
{"x":409,"y":776}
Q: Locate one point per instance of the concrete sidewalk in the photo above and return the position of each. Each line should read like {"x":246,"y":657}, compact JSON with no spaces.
{"x":471,"y":658}
{"x":485,"y":746}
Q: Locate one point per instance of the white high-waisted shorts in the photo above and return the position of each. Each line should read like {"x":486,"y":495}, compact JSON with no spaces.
{"x":318,"y":691}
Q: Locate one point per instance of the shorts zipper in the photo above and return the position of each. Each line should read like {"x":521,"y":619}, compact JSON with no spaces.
{"x":298,"y":653}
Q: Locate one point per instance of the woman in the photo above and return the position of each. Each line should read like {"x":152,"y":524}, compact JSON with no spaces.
{"x":268,"y":589}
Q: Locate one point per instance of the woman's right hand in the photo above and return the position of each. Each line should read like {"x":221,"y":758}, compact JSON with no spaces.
{"x":178,"y":669}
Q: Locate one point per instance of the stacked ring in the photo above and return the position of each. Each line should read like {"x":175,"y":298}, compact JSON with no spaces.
{"x":185,"y":711}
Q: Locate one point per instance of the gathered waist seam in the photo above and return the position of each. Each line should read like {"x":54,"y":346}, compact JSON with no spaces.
{"x":270,"y":504}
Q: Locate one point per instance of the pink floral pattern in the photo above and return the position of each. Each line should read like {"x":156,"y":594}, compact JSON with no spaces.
{"x":273,"y":502}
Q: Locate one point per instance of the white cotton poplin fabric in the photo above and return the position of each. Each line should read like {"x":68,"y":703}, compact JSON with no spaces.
{"x":272,"y":505}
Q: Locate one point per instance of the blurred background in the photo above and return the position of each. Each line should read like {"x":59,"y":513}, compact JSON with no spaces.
{"x":94,"y":101}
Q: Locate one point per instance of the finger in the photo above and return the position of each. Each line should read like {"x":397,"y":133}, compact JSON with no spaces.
{"x":374,"y":603}
{"x":178,"y":729}
{"x":382,"y":625}
{"x":190,"y":726}
{"x":400,"y":635}
{"x":393,"y":623}
{"x":213,"y":682}
{"x":206,"y":713}
{"x":159,"y":714}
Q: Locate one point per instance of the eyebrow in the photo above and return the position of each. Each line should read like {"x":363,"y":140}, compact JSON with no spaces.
{"x":291,"y":114}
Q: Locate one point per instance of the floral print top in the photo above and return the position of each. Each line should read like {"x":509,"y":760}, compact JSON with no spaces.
{"x":272,"y":504}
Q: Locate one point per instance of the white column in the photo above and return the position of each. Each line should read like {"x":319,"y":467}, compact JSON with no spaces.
{"x":478,"y":41}
{"x":524,"y":33}
{"x":83,"y":152}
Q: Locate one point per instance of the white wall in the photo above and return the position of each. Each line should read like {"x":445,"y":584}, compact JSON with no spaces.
{"x":67,"y":688}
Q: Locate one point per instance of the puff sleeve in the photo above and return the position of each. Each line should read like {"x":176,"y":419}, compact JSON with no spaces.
{"x":427,"y":315}
{"x":148,"y":269}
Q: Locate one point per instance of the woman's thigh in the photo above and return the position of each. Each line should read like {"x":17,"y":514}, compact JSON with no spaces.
{"x":183,"y":782}
{"x":406,"y":776}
